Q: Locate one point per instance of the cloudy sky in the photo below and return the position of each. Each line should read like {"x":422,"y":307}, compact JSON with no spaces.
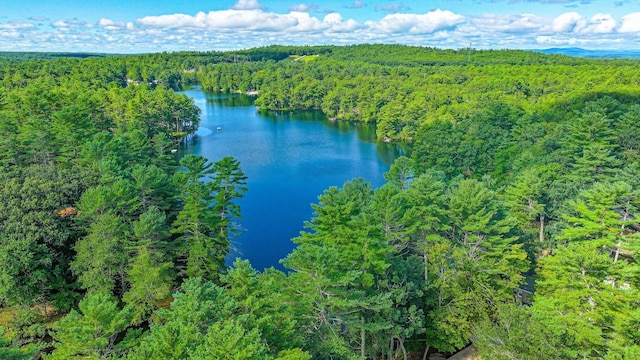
{"x":129,"y":26}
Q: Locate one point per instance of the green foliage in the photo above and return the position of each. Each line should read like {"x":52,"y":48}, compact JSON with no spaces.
{"x":36,"y":235}
{"x":205,"y":322}
{"x":593,"y":215}
{"x":515,"y":333}
{"x":9,"y":352}
{"x":267,"y":303}
{"x":336,"y":270}
{"x":401,"y":172}
{"x":508,"y":147}
{"x":198,"y":306}
{"x":90,"y":333}
{"x":150,"y":282}
{"x":206,"y":219}
{"x":101,"y":258}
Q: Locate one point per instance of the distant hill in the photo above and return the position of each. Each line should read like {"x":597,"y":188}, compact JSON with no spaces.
{"x":578,"y":52}
{"x":24,"y":56}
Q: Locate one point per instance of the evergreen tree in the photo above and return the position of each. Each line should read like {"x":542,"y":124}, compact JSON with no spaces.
{"x":229,"y":184}
{"x":91,"y":332}
{"x":149,"y":281}
{"x":196,"y":222}
{"x":101,"y":258}
{"x":478,"y":263}
{"x":594,"y":214}
{"x":580,"y":301}
{"x":337,"y":267}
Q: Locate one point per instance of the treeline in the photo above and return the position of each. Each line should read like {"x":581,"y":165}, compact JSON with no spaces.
{"x":403,"y":88}
{"x":25,"y":56}
{"x":522,"y":176}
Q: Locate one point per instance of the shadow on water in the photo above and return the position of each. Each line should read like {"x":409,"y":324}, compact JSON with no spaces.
{"x":231,"y":100}
{"x":389,"y":152}
{"x":279,"y":116}
{"x":365,"y":132}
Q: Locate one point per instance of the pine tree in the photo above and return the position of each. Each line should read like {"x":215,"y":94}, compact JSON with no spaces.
{"x":337,"y":266}
{"x":229,"y":184}
{"x":90,"y":332}
{"x":196,"y":222}
{"x":149,"y":281}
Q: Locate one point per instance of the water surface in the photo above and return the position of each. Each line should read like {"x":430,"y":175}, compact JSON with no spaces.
{"x":289,"y":158}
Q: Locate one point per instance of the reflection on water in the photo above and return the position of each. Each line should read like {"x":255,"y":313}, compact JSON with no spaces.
{"x":203,"y":131}
{"x":366,"y":132}
{"x":389,"y":152}
{"x":231,"y":100}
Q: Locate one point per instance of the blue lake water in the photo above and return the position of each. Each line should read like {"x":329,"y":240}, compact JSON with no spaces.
{"x":290,"y":158}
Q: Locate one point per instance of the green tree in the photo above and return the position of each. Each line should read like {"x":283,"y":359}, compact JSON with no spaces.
{"x":266,"y":299}
{"x":229,"y":184}
{"x":36,"y":234}
{"x":426,"y":214}
{"x":594,"y":214}
{"x":336,"y":268}
{"x":580,"y":302}
{"x":204,"y":322}
{"x":150,"y":282}
{"x":527,"y":197}
{"x":101,"y":258}
{"x":90,"y":332}
{"x":196,"y":222}
{"x":476,"y":264}
{"x":401,"y":172}
{"x":515,"y":333}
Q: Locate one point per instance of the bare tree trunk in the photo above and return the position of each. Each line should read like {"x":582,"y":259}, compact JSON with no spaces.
{"x":404,"y":351}
{"x":426,"y":270}
{"x":541,"y":237}
{"x":362,"y":339}
{"x":390,"y":355}
{"x":426,"y":351}
{"x":625,"y":218}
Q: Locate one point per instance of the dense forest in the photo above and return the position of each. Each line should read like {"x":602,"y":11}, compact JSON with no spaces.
{"x":513,"y":225}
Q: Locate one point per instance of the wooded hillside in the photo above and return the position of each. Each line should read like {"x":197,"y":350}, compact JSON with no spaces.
{"x":524,"y":174}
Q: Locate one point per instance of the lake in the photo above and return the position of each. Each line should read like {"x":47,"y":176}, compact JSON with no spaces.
{"x":290,"y":158}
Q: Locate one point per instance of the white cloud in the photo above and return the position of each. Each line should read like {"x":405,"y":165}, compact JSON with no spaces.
{"x":427,"y":23}
{"x":305,"y":22}
{"x":111,"y":25}
{"x":71,"y":24}
{"x":600,"y":24}
{"x":587,"y":42}
{"x":39,"y":18}
{"x":304,"y":8}
{"x":507,"y":23}
{"x":247,"y":5}
{"x":252,"y":20}
{"x":248,"y":24}
{"x":255,"y":20}
{"x":568,"y":22}
{"x":18,"y":25}
{"x":336,"y":23}
{"x":630,"y":23}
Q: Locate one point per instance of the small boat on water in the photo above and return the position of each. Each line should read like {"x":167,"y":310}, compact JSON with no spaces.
{"x":219,"y":128}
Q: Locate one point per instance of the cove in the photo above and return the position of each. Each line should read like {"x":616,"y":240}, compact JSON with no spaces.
{"x":290,"y":158}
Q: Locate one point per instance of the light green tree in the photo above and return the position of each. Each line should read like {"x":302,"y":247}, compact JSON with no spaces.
{"x":90,"y":332}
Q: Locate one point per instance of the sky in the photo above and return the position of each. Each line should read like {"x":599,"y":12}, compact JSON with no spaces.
{"x":130,"y":26}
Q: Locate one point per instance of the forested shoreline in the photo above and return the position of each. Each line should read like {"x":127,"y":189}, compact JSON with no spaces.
{"x":524,"y":174}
